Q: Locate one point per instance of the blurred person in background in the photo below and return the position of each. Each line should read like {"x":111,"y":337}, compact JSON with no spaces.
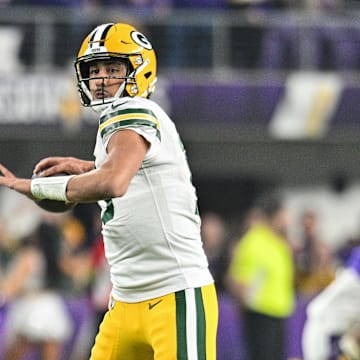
{"x":100,"y":284}
{"x":76,"y":259}
{"x":315,"y":261}
{"x":100,"y":287}
{"x":216,"y":246}
{"x":333,"y":317}
{"x":163,"y":301}
{"x":7,"y":248}
{"x":77,"y":265}
{"x":37,"y":317}
{"x":261,"y":277}
{"x":88,"y":275}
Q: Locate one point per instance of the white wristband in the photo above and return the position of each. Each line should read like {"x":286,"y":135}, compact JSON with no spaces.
{"x":53,"y":188}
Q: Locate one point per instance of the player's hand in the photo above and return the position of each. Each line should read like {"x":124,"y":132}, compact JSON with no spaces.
{"x":8,"y":179}
{"x":58,"y":164}
{"x":6,"y":174}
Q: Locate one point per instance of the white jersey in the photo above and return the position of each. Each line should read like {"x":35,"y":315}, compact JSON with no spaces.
{"x":152,"y":233}
{"x":333,"y":312}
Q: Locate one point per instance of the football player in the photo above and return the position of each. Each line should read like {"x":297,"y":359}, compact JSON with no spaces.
{"x":163,"y":302}
{"x":335,"y":314}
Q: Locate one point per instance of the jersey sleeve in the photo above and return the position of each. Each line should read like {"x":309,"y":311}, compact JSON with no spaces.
{"x":140,"y":119}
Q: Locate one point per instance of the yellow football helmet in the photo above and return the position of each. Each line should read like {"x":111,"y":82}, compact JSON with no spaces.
{"x":117,"y":41}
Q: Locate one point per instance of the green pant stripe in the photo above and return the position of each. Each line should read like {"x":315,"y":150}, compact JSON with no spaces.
{"x":201,"y":325}
{"x":181,"y":325}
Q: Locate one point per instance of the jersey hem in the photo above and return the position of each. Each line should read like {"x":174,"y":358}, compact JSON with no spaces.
{"x":179,"y":283}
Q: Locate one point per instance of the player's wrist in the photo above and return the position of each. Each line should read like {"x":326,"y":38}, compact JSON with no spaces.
{"x":53,"y":188}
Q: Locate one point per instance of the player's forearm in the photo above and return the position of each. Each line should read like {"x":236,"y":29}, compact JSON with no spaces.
{"x":96,"y":185}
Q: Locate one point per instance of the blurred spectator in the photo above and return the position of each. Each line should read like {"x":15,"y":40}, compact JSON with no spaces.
{"x":252,"y":217}
{"x":37,"y":317}
{"x":77,"y":264}
{"x":315,"y":265}
{"x":6,"y":254}
{"x":214,"y":233}
{"x":100,"y":286}
{"x":262,"y":279}
{"x":6,"y":249}
{"x":216,"y":246}
{"x":337,"y":207}
{"x":335,"y":313}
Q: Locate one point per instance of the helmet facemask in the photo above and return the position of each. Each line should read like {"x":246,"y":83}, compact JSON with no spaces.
{"x":82,"y":70}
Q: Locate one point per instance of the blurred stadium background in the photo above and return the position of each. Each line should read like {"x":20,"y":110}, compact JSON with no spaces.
{"x":266,"y":94}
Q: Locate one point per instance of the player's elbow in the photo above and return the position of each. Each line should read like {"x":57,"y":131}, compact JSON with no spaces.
{"x":118,"y":191}
{"x":115,"y":187}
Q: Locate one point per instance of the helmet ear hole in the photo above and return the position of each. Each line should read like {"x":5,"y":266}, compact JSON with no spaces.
{"x":147,"y":75}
